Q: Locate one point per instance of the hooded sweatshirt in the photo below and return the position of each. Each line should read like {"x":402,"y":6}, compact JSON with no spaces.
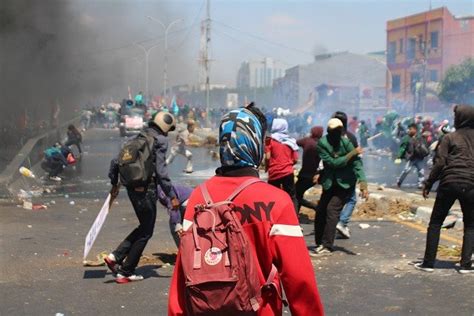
{"x":311,"y":158}
{"x":454,"y":161}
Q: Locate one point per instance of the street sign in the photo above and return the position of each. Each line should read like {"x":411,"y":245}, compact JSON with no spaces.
{"x":96,"y":226}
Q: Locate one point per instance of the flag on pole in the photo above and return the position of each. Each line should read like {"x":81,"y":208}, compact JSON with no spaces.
{"x":174,"y":107}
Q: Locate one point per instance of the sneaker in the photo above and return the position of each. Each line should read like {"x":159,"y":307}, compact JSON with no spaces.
{"x":111,"y":262}
{"x":188,"y":171}
{"x":343,"y":230}
{"x":421,"y":267}
{"x":55,"y":178}
{"x":466,"y":270}
{"x":121,"y":279}
{"x":320,"y":251}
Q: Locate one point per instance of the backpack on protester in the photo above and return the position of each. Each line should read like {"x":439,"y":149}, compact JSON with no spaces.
{"x":218,"y":263}
{"x":420,"y":149}
{"x":135,"y":161}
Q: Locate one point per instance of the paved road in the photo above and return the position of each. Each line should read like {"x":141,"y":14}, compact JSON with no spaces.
{"x":42,"y":272}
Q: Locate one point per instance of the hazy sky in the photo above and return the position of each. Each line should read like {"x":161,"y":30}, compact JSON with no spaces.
{"x":290,"y":31}
{"x":302,"y":26}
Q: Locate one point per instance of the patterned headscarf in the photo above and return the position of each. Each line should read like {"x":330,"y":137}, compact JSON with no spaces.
{"x":241,"y":139}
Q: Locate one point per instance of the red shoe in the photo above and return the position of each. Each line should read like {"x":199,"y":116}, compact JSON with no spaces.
{"x":111,"y":264}
{"x":121,"y":279}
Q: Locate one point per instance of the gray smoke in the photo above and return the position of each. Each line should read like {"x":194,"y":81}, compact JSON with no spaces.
{"x":74,"y":53}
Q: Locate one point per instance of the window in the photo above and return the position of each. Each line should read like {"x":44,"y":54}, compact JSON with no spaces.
{"x":434,"y":75}
{"x":392,"y":52}
{"x":411,"y":48}
{"x":434,"y":39}
{"x":400,"y":46}
{"x":395,"y":83}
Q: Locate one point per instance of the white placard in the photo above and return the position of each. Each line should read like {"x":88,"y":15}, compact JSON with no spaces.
{"x":97,"y":226}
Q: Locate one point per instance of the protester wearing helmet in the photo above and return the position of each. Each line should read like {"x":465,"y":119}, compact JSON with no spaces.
{"x":123,"y":261}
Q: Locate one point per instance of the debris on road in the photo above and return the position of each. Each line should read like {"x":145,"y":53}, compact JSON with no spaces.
{"x":364,"y":225}
{"x":37,"y":207}
{"x":96,"y":263}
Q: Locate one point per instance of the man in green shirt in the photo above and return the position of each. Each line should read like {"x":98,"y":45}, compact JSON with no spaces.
{"x":342,"y":170}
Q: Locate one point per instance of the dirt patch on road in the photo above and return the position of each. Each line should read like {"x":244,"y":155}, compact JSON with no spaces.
{"x":374,"y":209}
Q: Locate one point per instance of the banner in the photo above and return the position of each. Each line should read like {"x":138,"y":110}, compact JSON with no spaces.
{"x":97,"y":226}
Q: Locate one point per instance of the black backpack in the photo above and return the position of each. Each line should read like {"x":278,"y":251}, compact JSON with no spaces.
{"x":420,"y":149}
{"x":136,"y":161}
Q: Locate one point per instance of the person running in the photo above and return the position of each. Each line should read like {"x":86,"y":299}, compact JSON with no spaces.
{"x":74,"y":137}
{"x":124,"y":259}
{"x":454,"y":169}
{"x":281,"y":154}
{"x":342,"y":170}
{"x":346,"y":213}
{"x":179,"y":148}
{"x":414,"y":151}
{"x":309,"y":168}
{"x":267,"y":217}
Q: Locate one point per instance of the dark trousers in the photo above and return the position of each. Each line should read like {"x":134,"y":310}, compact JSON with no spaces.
{"x":329,"y":209}
{"x":301,"y":186}
{"x":52,"y":167}
{"x":128,"y":253}
{"x":287,"y":184}
{"x":74,"y":142}
{"x":447,"y":195}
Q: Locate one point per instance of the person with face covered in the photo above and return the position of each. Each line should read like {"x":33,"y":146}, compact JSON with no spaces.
{"x":454,"y":169}
{"x":281,"y":154}
{"x":267,"y":218}
{"x":342,"y":170}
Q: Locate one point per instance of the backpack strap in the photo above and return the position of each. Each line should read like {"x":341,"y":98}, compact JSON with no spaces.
{"x":242,"y":187}
{"x":270,"y":285}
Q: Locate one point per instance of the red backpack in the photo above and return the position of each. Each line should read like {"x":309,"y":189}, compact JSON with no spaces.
{"x":220,"y":271}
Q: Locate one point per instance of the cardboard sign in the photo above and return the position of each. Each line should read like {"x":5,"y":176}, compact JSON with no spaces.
{"x":96,"y":226}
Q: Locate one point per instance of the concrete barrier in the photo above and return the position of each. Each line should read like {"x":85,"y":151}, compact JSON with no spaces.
{"x":30,"y":154}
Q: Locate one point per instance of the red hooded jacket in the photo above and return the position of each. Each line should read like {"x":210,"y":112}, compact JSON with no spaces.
{"x":268,"y":217}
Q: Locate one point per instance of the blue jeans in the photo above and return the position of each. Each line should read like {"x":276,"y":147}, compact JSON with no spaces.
{"x":419,"y":165}
{"x":348,"y":209}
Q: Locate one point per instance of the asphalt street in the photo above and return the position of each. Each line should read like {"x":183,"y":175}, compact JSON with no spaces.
{"x":42,"y":271}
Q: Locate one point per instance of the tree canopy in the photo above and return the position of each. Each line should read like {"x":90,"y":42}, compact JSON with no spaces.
{"x":457,"y":85}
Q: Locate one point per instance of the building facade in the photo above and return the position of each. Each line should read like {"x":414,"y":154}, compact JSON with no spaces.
{"x":420,"y":48}
{"x":345,"y":81}
{"x":259,"y":74}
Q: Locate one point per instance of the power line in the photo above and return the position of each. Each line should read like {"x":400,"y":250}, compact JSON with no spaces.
{"x":264,"y":39}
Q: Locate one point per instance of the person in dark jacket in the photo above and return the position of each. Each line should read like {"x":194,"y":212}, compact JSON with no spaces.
{"x":309,"y":167}
{"x":454,"y":169}
{"x":342,"y":170}
{"x":123,"y":261}
{"x":408,"y":151}
{"x":74,"y":137}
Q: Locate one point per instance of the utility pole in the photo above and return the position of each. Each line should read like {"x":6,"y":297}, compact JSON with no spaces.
{"x":204,"y":58}
{"x":147,"y":53}
{"x":422,"y":96}
{"x":166,"y":28}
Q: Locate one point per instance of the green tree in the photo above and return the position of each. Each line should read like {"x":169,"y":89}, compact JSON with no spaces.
{"x":457,"y":85}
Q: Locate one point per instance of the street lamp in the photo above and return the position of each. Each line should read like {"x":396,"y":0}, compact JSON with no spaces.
{"x":165,"y":70}
{"x":147,"y":52}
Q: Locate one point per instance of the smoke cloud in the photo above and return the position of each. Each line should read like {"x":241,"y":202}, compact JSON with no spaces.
{"x":75,"y":53}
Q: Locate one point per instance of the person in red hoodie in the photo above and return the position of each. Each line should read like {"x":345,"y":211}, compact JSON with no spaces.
{"x":267,"y":217}
{"x":281,"y":154}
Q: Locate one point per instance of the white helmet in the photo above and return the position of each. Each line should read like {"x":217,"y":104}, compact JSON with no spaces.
{"x":165,"y":121}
